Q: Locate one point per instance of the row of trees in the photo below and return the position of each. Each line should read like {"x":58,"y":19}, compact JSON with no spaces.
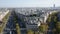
{"x":32,"y":32}
{"x":16,"y":22}
{"x":54,"y":23}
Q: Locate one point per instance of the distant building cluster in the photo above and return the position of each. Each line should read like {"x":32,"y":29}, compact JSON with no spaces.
{"x":28,"y":18}
{"x":34,"y":17}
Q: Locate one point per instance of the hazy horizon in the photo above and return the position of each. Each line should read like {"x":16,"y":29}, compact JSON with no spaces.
{"x":29,"y":3}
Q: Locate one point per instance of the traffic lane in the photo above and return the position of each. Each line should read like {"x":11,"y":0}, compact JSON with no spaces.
{"x":10,"y":25}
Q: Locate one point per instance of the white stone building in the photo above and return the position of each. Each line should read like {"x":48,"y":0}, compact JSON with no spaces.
{"x":2,"y":14}
{"x":32,"y":22}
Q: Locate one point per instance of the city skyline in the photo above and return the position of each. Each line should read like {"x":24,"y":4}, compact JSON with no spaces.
{"x":29,"y":3}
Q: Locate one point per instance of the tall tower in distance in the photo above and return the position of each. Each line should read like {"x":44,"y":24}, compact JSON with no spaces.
{"x":54,"y":6}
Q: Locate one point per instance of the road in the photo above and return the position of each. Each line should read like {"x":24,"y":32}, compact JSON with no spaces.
{"x":22,"y":24}
{"x":10,"y":26}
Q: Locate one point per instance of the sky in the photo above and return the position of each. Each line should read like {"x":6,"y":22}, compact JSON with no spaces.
{"x":29,"y":3}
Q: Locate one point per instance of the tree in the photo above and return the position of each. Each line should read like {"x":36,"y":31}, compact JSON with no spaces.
{"x":53,"y":21}
{"x":58,"y":27}
{"x":55,"y":18}
{"x":43,"y":28}
{"x":30,"y":32}
{"x":49,"y":19}
{"x":18,"y":28}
